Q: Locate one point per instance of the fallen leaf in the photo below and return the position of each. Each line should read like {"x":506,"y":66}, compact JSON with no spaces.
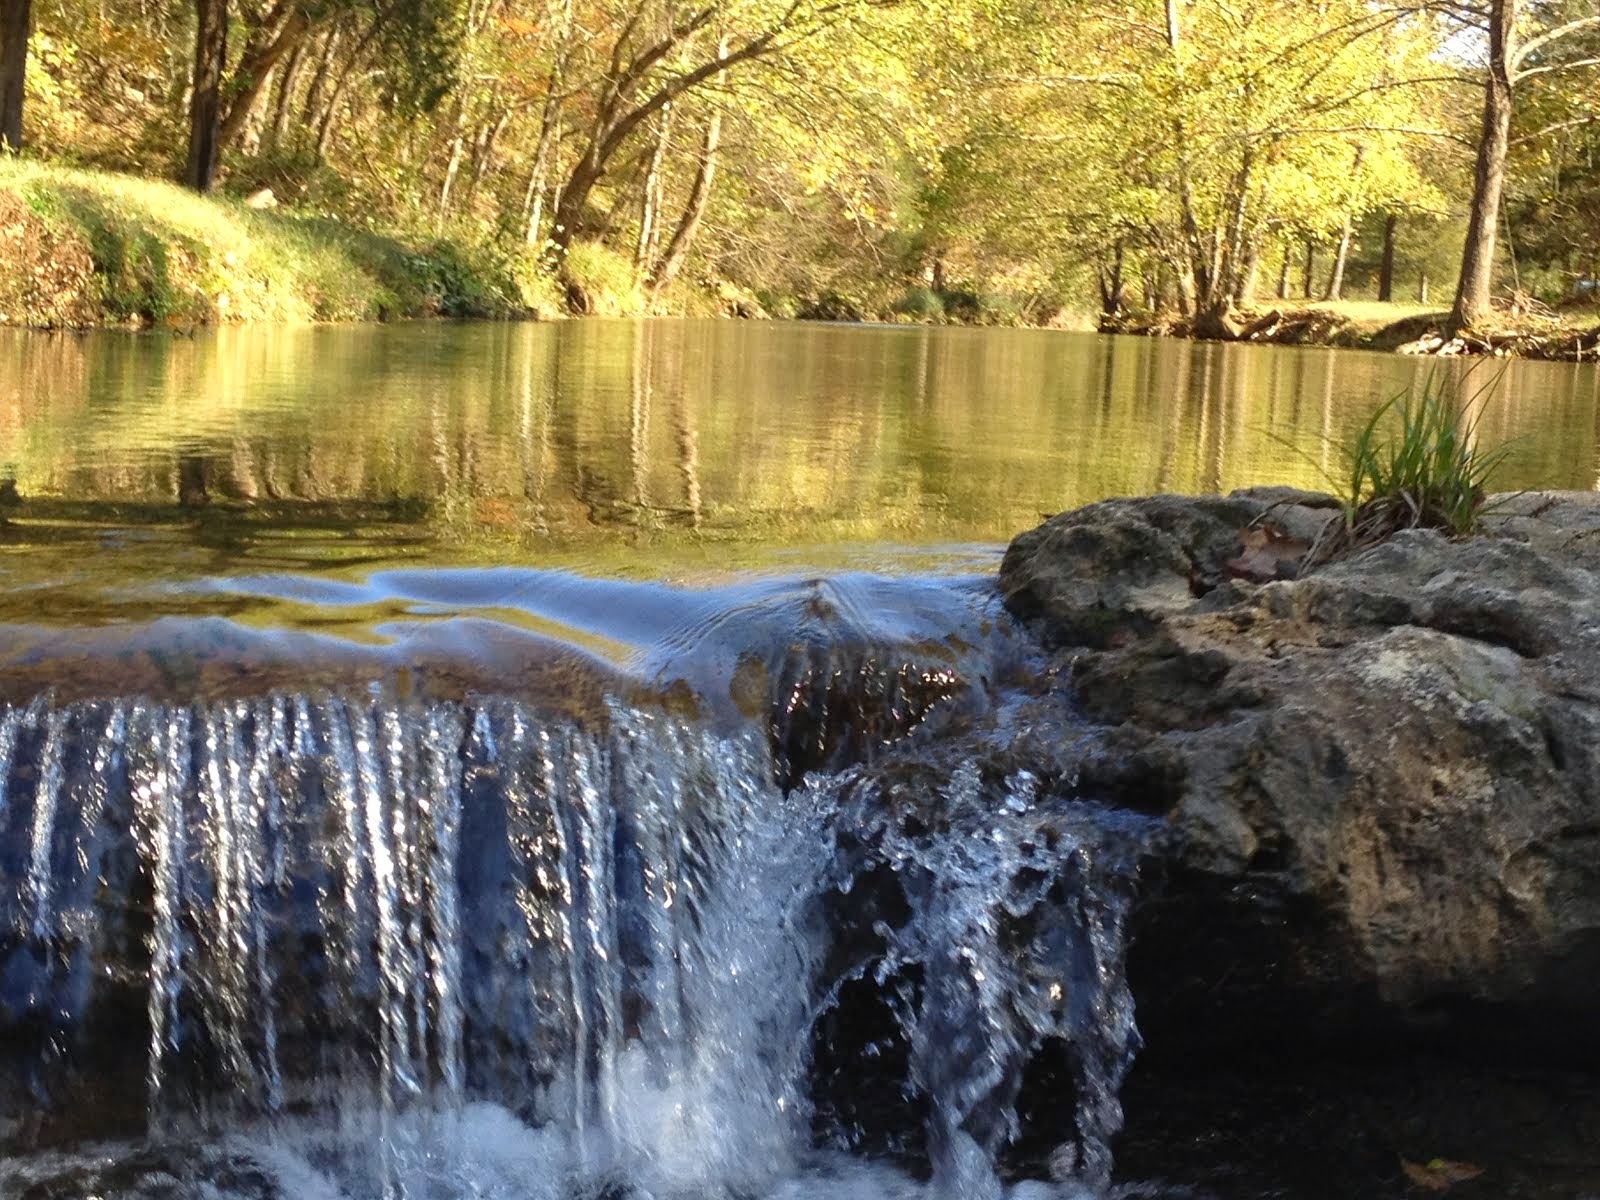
{"x":1439,"y":1174}
{"x":1266,"y":553}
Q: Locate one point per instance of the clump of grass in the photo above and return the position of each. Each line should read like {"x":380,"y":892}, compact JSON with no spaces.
{"x":920,"y":303}
{"x":1416,"y":464}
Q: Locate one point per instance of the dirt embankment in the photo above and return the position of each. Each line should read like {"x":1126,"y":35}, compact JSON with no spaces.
{"x":1572,"y":336}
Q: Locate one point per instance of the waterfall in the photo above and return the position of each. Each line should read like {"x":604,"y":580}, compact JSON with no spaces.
{"x":359,"y":938}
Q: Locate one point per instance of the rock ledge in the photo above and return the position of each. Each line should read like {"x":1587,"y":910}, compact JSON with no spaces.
{"x":1381,"y":779}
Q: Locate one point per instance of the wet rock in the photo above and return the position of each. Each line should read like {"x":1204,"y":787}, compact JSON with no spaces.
{"x":1346,"y":1130}
{"x":1382,"y":780}
{"x":192,"y":1172}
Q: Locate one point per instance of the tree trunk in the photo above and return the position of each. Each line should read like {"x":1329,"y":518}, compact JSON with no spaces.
{"x":1283,"y":274}
{"x":1473,"y":289}
{"x":483,"y":154}
{"x":16,"y":18}
{"x":1251,"y":277}
{"x":1111,"y":289}
{"x":1234,"y":253}
{"x":1309,"y":279}
{"x":249,"y":139}
{"x":1183,"y":286}
{"x":254,"y":72}
{"x":649,"y":240}
{"x":330,"y":115}
{"x":1340,"y":257}
{"x":1195,"y":260}
{"x":699,"y":195}
{"x":1386,"y":271}
{"x":205,"y":103}
{"x":549,"y":139}
{"x":549,"y":129}
{"x":621,"y":198}
{"x":453,"y":166}
{"x":569,"y":209}
{"x":278,"y":124}
{"x":311,"y":112}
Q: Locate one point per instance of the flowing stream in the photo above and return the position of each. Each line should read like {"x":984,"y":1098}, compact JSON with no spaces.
{"x":586,"y":762}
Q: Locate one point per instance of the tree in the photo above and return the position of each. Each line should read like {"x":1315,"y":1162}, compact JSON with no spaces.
{"x":657,"y":55}
{"x":1179,"y":141}
{"x":1511,"y":59}
{"x":662,"y":273}
{"x":412,"y":42}
{"x":205,"y":102}
{"x":16,"y":18}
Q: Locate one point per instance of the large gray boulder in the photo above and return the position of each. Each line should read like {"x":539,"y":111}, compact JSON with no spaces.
{"x":1381,"y":779}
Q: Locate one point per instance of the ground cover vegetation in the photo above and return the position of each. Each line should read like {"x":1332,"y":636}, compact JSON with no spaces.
{"x":1126,"y":162}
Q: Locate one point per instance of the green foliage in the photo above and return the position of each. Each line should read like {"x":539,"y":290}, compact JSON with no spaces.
{"x":158,"y":254}
{"x":1416,"y":464}
{"x":538,"y":293}
{"x":1027,"y":148}
{"x":924,"y":304}
{"x":778,"y":305}
{"x":600,"y":281}
{"x":419,"y":41}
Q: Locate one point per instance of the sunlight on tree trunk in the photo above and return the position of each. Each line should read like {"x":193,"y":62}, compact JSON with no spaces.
{"x":1386,"y":271}
{"x":1473,"y":290}
{"x":694,"y":212}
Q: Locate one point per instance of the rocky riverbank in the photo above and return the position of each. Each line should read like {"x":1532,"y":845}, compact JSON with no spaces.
{"x":1380,"y":781}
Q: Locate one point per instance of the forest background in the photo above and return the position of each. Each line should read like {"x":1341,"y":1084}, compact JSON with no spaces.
{"x":985,"y":161}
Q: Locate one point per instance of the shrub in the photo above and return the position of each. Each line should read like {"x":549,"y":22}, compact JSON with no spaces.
{"x":778,"y":305}
{"x":538,"y":292}
{"x":923,"y":303}
{"x":600,"y":281}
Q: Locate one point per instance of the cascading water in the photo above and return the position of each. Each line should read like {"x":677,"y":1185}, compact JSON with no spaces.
{"x":357,"y":945}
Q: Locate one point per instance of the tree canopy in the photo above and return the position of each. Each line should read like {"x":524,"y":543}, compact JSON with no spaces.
{"x":1009,"y":156}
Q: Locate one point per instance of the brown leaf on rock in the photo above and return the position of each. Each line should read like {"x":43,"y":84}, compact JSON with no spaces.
{"x":1439,"y":1174}
{"x":1266,"y":553}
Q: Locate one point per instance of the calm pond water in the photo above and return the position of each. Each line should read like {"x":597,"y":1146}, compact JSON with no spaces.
{"x":657,"y":450}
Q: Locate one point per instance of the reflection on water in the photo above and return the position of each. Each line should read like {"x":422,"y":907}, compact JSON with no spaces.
{"x":659,"y":448}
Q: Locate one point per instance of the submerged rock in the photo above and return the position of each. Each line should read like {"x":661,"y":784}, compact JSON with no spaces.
{"x":1381,"y":780}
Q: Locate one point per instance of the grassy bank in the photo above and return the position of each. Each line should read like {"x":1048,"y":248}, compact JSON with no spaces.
{"x":1569,"y":334}
{"x":82,"y":248}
